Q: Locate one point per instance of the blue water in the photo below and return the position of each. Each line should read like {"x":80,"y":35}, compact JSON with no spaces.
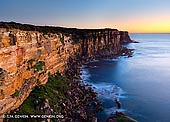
{"x":141,"y":83}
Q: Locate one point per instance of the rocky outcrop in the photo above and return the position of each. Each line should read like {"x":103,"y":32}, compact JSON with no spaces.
{"x":29,"y":53}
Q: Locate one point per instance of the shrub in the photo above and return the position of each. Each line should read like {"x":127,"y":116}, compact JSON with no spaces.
{"x":39,"y":65}
{"x":16,"y":94}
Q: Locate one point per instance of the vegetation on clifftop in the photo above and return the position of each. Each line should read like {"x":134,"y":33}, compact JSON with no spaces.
{"x":49,"y":29}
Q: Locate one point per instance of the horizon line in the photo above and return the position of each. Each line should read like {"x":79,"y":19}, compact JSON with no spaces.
{"x":149,"y":32}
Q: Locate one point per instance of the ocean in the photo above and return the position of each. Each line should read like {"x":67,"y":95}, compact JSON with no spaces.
{"x":141,"y":83}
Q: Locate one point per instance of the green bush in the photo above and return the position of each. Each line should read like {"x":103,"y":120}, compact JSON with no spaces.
{"x":16,"y":94}
{"x":39,"y":65}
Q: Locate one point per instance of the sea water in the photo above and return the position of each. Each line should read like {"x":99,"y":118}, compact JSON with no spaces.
{"x":141,"y":83}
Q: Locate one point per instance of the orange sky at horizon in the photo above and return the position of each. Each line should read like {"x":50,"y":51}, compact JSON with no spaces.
{"x":146,"y":23}
{"x":143,"y":26}
{"x":135,"y":26}
{"x":134,"y":16}
{"x":150,"y":24}
{"x":147,"y":27}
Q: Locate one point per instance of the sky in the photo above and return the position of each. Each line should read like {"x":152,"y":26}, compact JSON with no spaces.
{"x":131,"y":15}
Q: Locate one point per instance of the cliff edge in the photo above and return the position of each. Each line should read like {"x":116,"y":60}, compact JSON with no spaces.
{"x":29,"y":53}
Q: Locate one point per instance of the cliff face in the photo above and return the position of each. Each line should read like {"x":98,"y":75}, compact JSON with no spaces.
{"x":26,"y":57}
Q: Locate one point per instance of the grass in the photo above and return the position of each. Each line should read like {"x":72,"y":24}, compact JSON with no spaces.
{"x":54,"y":91}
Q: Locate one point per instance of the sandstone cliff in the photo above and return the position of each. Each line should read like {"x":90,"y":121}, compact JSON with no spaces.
{"x":28,"y":53}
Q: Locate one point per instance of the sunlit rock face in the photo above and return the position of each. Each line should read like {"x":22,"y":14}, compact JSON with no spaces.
{"x":27,"y":57}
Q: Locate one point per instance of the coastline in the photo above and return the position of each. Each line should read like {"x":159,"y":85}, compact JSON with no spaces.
{"x":86,"y":105}
{"x":55,"y":49}
{"x":114,"y":116}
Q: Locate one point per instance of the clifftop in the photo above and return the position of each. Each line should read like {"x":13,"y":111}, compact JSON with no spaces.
{"x":48,"y":29}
